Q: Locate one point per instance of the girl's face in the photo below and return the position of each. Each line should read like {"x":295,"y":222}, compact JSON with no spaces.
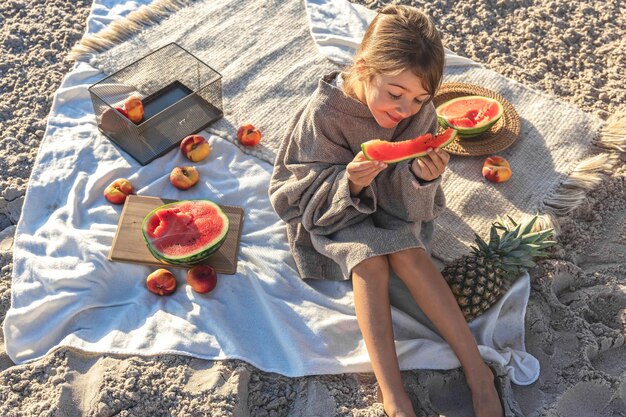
{"x":393,"y":98}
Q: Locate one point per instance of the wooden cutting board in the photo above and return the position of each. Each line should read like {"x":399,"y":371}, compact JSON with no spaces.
{"x":129,"y":246}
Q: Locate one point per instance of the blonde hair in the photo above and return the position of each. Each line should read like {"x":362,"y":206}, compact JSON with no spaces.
{"x":399,"y":38}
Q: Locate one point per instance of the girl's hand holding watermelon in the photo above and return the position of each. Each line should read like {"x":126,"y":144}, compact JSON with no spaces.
{"x":361,"y":172}
{"x":430,"y":166}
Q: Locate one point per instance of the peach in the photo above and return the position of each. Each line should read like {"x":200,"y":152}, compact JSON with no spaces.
{"x":134,"y":107}
{"x":161,"y":282}
{"x":111,"y":122}
{"x":249,"y":135}
{"x":202,"y":278}
{"x":184,"y":178}
{"x":497,"y":169}
{"x":118,"y":190}
{"x":195,"y":148}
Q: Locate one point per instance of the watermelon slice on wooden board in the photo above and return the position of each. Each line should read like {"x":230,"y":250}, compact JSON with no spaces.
{"x":129,"y":244}
{"x":185,"y":232}
{"x":391,"y":152}
{"x":470,"y":115}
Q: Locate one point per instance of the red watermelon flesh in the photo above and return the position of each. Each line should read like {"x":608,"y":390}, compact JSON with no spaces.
{"x":474,"y":110}
{"x":475,"y":117}
{"x":462,"y":122}
{"x":186,"y":231}
{"x":390,"y":152}
{"x":174,"y":232}
{"x":470,"y":115}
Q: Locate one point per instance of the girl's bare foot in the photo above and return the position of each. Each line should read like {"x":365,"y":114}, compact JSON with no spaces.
{"x":485,"y":397}
{"x":487,"y":403}
{"x":396,"y":405}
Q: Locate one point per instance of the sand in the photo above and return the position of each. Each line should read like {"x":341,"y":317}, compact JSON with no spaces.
{"x":576,"y":321}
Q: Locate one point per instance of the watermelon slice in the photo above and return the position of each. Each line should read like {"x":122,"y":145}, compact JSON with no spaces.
{"x":390,"y":152}
{"x":185,"y":232}
{"x":470,"y":115}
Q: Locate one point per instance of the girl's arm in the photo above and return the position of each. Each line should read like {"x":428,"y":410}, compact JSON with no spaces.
{"x":403,"y":195}
{"x":310,"y":183}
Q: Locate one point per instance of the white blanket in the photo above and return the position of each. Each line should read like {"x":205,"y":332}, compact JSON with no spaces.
{"x":337,"y":27}
{"x":66,"y":293}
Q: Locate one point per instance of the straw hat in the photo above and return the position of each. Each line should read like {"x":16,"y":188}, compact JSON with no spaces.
{"x":501,"y":135}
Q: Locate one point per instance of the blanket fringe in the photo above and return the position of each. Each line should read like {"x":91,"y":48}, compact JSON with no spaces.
{"x":613,"y":134}
{"x":124,"y":29}
{"x":589,"y":173}
{"x":585,"y":176}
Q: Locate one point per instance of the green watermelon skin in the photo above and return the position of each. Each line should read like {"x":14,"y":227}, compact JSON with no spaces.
{"x":196,"y":255}
{"x":469,"y":132}
{"x":465,"y":134}
{"x":393,"y":152}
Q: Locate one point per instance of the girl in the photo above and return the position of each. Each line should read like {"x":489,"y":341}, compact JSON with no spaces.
{"x":351,"y":218}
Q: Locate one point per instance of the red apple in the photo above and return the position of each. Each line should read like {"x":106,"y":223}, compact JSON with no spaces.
{"x":161,"y":282}
{"x":249,"y":135}
{"x":184,"y":178}
{"x":202,"y":278}
{"x":195,"y":148}
{"x":497,"y":169}
{"x":118,"y":190}
{"x":111,"y":121}
{"x":134,"y":108}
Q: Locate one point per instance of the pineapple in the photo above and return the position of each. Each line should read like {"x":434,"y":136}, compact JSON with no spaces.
{"x":479,"y":279}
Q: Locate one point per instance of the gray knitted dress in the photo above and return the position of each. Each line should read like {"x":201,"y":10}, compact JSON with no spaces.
{"x":330,"y":231}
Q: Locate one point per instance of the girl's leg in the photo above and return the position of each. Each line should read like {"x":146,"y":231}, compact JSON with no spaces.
{"x":370,"y":280}
{"x":432,"y":294}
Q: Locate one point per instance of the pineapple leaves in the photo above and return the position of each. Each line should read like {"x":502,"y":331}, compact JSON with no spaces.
{"x":528,"y":227}
{"x":494,"y":238}
{"x":542,"y":245}
{"x":517,"y":254}
{"x":514,"y":245}
{"x":528,"y":264}
{"x":482,"y":245}
{"x":537,"y":236}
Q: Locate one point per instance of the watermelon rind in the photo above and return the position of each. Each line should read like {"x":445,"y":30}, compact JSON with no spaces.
{"x":444,"y":139}
{"x":193,"y":257}
{"x":476,"y":130}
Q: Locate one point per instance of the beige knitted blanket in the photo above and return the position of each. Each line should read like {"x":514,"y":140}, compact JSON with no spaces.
{"x":270,"y":65}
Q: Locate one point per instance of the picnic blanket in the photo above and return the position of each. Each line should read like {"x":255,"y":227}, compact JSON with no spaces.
{"x":66,"y":293}
{"x":269,"y":70}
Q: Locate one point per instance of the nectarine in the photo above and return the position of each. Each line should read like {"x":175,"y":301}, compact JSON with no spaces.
{"x":249,"y":135}
{"x":118,"y":190}
{"x":497,"y":169}
{"x":134,"y":107}
{"x":184,"y":178}
{"x":195,"y":148}
{"x":111,"y":121}
{"x":161,"y":282}
{"x":202,"y":278}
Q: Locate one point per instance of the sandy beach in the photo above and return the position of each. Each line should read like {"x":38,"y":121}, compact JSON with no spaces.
{"x":576,"y":318}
